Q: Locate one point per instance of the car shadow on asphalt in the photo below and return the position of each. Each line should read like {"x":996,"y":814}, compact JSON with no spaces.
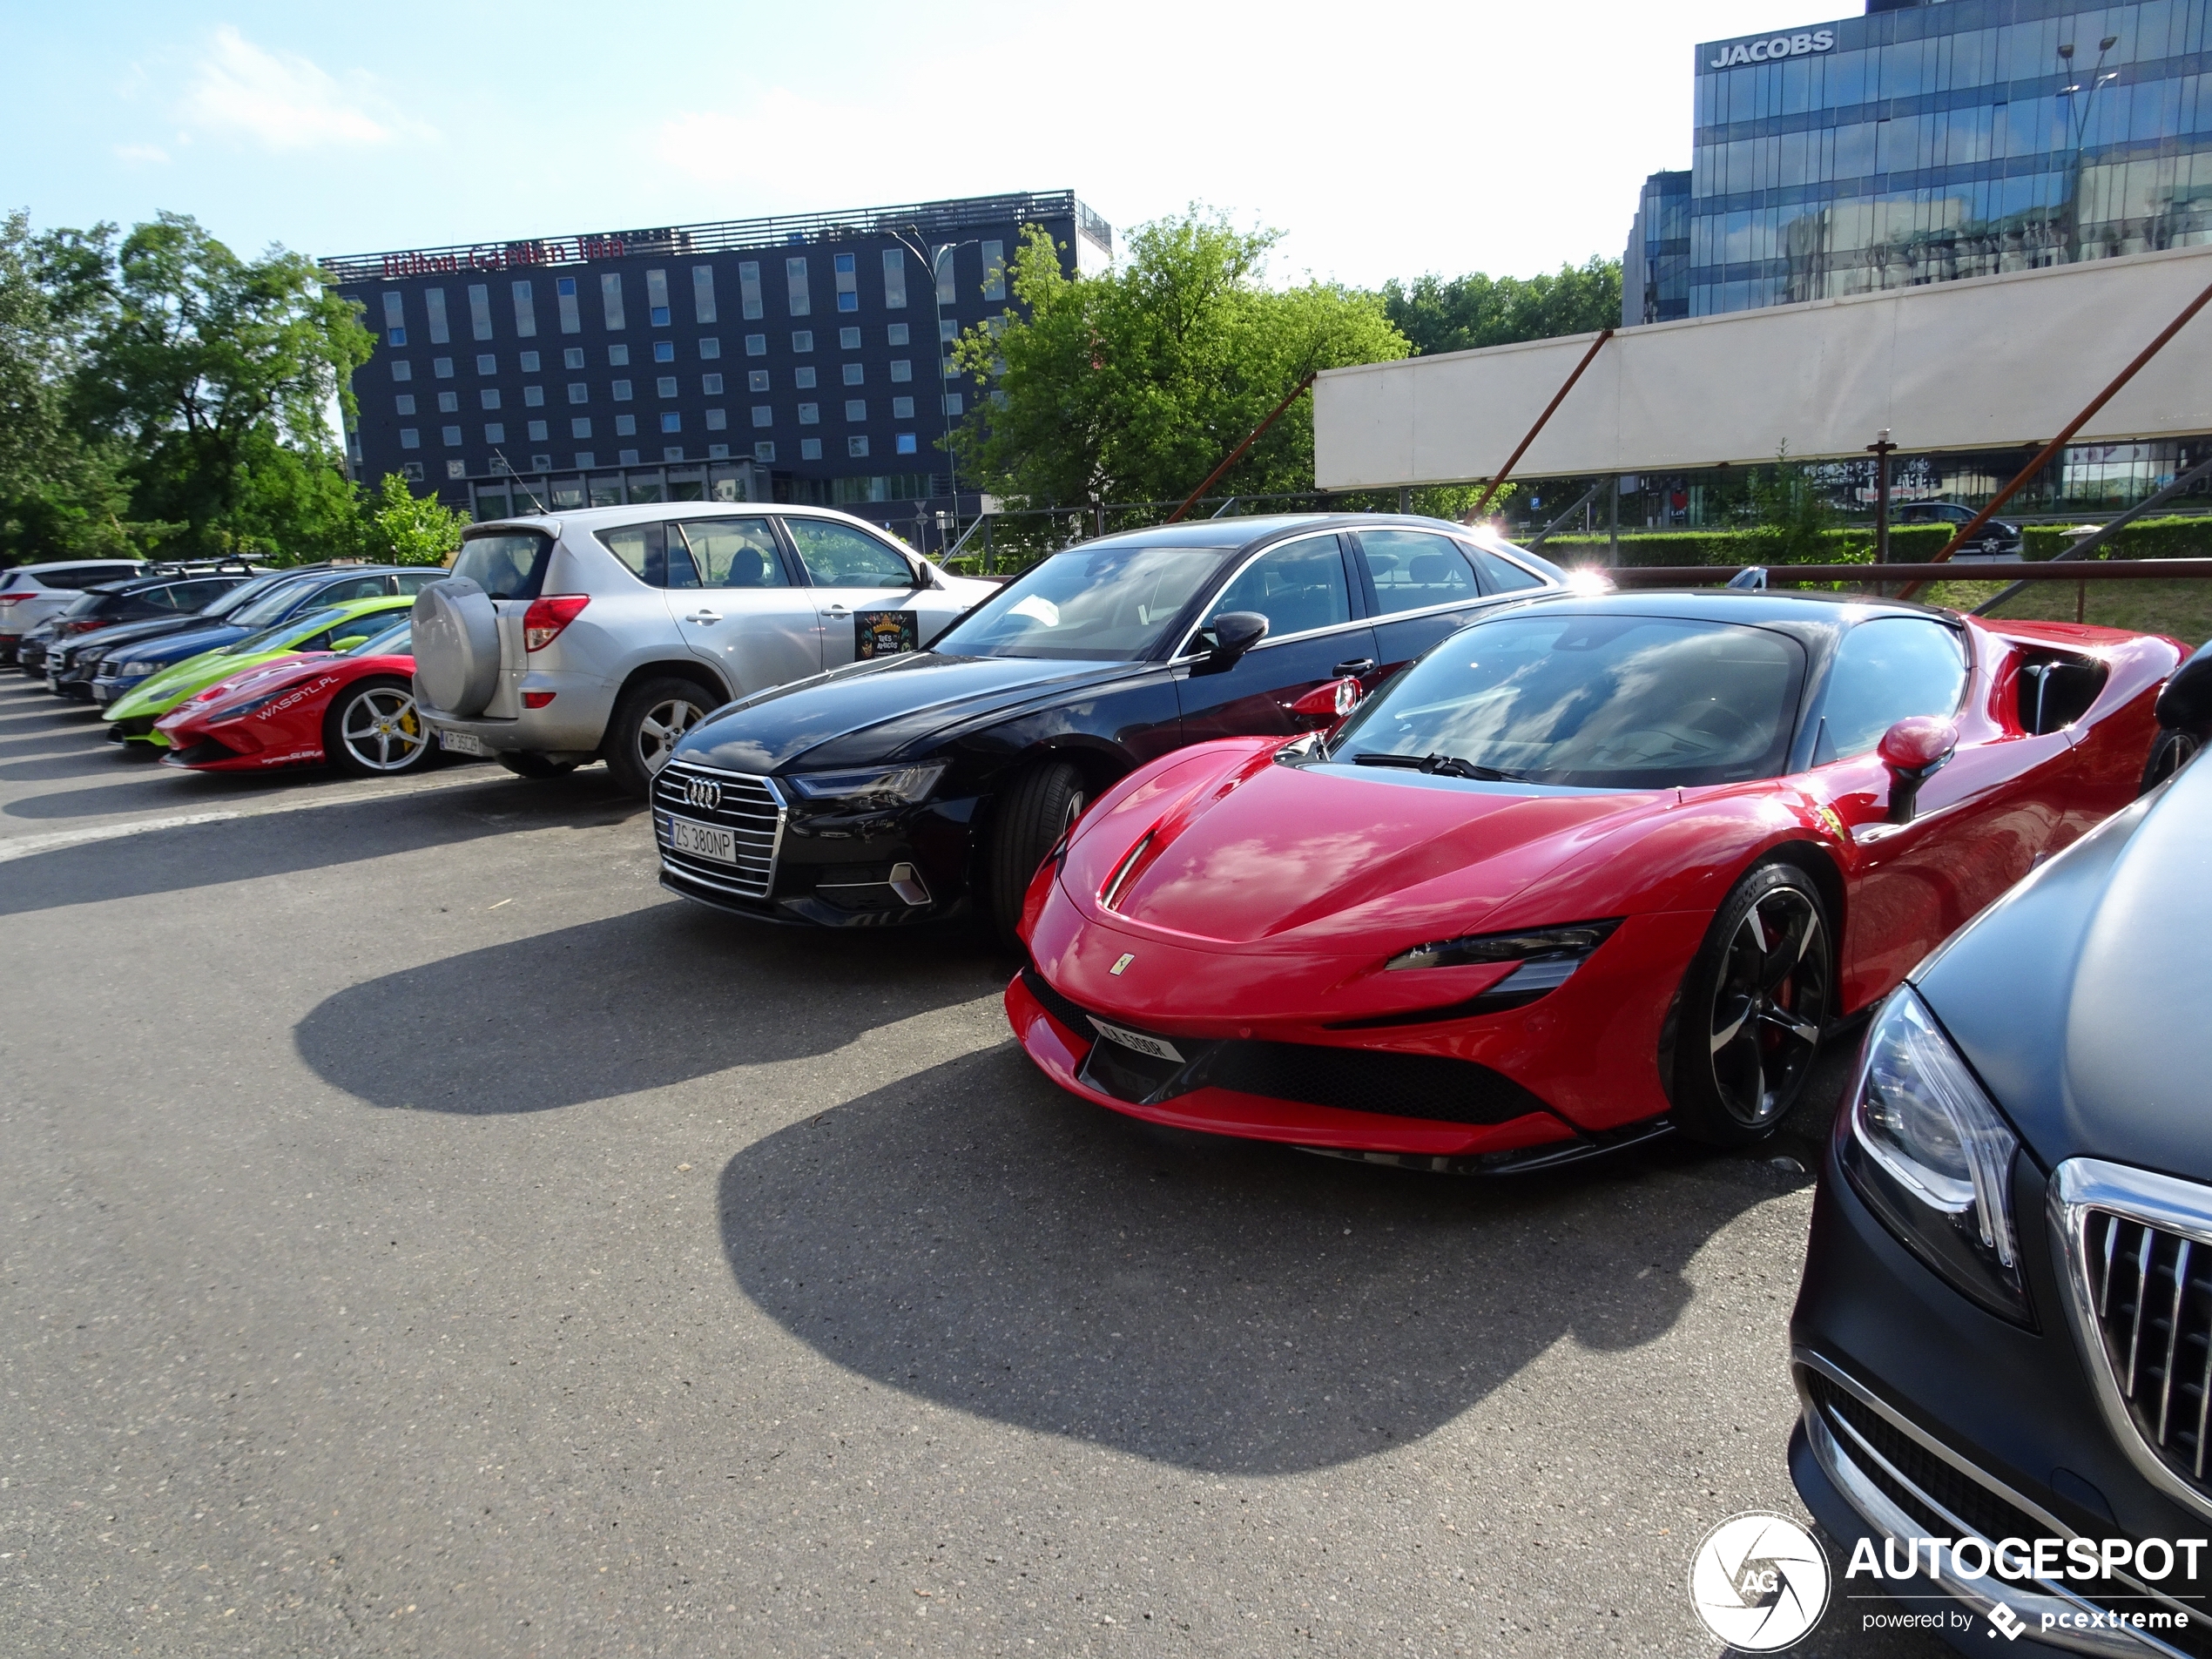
{"x":975,"y":1235}
{"x":449,"y":1035}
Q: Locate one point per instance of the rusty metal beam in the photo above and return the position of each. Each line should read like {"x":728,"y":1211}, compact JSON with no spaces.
{"x":1521,"y":448}
{"x":1236,"y":454}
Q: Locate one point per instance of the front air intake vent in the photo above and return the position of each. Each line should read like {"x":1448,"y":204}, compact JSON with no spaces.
{"x":2152,"y":1301}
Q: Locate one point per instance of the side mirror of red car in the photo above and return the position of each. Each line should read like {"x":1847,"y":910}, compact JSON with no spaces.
{"x":1914,"y":750}
{"x":1329,"y":702}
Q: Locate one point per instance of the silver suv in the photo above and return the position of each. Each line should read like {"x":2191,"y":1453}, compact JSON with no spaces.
{"x":606,"y":634}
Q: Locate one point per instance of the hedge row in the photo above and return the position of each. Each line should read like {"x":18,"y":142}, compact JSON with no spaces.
{"x":2150,"y":538}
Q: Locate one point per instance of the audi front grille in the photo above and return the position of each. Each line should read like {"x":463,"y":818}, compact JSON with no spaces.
{"x":747,"y":805}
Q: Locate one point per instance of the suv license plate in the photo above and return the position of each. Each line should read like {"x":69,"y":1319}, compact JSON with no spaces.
{"x":461,"y":743}
{"x":702,"y":840}
{"x":1158,"y":1048}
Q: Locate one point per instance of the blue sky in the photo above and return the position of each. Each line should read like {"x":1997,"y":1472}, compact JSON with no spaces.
{"x":1387,"y":140}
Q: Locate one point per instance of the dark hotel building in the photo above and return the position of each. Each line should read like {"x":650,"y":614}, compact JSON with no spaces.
{"x":791,"y":359}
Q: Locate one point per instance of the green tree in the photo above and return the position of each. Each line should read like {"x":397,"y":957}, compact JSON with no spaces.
{"x":1473,"y":311}
{"x":1134,"y":385}
{"x":1790,"y":518}
{"x":405,"y":528}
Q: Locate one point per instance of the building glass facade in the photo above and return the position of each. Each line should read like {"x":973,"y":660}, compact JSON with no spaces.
{"x":794,"y":358}
{"x":1922,"y":142}
{"x":1655,"y":273}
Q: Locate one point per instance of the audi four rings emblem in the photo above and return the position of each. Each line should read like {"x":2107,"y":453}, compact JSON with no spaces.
{"x":703,"y":793}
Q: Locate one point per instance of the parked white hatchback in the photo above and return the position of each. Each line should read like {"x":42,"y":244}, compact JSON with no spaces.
{"x":31,"y":593}
{"x":606,"y":634}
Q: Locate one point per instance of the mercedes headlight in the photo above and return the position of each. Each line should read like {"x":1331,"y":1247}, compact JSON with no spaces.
{"x":871,"y":785}
{"x":1923,"y":1145}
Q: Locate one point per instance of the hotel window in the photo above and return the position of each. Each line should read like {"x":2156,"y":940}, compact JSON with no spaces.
{"x":803,"y":378}
{"x":525,"y":311}
{"x":540,"y":464}
{"x":952,"y":404}
{"x":948,"y":291}
{"x":434,"y":306}
{"x":895,"y":334}
{"x":486,"y":363}
{"x":749,"y":288}
{"x":810,"y":448}
{"x":587,"y":458}
{"x":411,"y":471}
{"x":904,"y":443}
{"x":894,"y":279}
{"x":674,"y":452}
{"x":902,"y":409}
{"x":802,"y":340}
{"x":848,"y":283}
{"x":410,"y":438}
{"x":756,"y":345}
{"x":718,"y":452}
{"x":948,"y":331}
{"x":534,"y":397}
{"x":442,"y":368}
{"x":763,"y":414}
{"x":764,"y":451}
{"x":756,"y":381}
{"x":810,"y":414}
{"x":565,"y":298}
{"x":670,"y":421}
{"x":529,"y":361}
{"x":402,"y":370}
{"x":488,"y":398}
{"x":856,"y":408}
{"x":626,"y":457}
{"x":539,"y":432}
{"x":621,"y":391}
{"x":994,"y":270}
{"x":451,"y":435}
{"x":610,"y":299}
{"x":710,"y":347}
{"x":625,"y":425}
{"x":618,"y":357}
{"x":902,"y":368}
{"x":856,"y":446}
{"x":657,"y":299}
{"x":848,"y":338}
{"x":703,"y":293}
{"x":664,"y":351}
{"x":480,"y":310}
{"x":665,"y":386}
{"x":495,"y":432}
{"x":578,"y":392}
{"x":572,"y":358}
{"x":711,"y":385}
{"x":395,"y":319}
{"x":456,"y":470}
{"x":717,"y":420}
{"x":854,"y":373}
{"x":795,"y":285}
{"x":404,"y":403}
{"x":448,"y":401}
{"x":580,"y":426}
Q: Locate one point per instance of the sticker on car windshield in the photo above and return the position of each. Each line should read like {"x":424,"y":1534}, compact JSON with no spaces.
{"x":885,"y":633}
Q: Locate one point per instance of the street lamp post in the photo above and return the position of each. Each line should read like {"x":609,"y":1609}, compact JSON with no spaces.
{"x":2078,"y":122}
{"x":931,"y":256}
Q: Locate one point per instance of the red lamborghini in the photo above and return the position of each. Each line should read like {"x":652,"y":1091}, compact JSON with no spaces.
{"x":354,"y":710}
{"x":1589,"y":869}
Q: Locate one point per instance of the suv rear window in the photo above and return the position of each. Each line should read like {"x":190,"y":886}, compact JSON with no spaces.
{"x":507,"y":565}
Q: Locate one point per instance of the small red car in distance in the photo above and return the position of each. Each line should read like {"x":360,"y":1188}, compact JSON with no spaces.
{"x":1590,"y":869}
{"x":352,"y":710}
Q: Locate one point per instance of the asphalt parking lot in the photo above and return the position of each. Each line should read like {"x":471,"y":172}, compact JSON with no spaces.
{"x":420,"y":1233}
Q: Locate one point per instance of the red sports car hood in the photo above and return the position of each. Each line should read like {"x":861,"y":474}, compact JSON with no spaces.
{"x":1224,"y":845}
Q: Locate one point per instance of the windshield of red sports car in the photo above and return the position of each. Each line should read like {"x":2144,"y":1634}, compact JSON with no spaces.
{"x":1114,"y":602}
{"x":1591,"y":701}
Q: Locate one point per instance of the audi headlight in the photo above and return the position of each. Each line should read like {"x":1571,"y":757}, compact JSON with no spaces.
{"x":1923,"y":1145}
{"x":871,"y":785}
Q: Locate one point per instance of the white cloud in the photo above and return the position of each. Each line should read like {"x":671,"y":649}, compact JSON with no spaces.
{"x":283,"y":101}
{"x":152,"y":153}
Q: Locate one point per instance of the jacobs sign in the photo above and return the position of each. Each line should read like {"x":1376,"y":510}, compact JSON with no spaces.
{"x":1773,"y":51}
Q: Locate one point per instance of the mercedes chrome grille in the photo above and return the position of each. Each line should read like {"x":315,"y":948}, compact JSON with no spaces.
{"x":748,"y":806}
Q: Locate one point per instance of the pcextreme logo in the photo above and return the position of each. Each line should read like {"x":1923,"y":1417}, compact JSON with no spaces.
{"x":1759,"y":1583}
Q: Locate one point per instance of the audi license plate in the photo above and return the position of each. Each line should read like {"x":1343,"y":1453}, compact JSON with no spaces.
{"x":461,"y":743}
{"x":702,"y":840}
{"x":1158,"y":1048}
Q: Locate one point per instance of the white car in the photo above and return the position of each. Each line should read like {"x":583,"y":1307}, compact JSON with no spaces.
{"x":606,"y":634}
{"x":31,"y":593}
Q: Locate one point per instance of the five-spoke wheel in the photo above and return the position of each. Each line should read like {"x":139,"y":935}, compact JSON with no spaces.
{"x":374,"y":730}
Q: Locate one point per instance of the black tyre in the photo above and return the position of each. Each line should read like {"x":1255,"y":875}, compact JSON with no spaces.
{"x":1751,"y":1008}
{"x":523,"y":764}
{"x":1034,"y":807}
{"x":2169,"y":751}
{"x":647,"y":723}
{"x":373,"y":730}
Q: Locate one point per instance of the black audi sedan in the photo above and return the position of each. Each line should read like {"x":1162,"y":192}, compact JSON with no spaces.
{"x":923,"y":786}
{"x":2003,"y":1340}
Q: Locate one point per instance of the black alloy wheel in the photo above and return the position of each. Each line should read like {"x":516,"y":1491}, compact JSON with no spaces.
{"x":1036,"y":808}
{"x":648,"y":723}
{"x":373,"y":730}
{"x":524,"y":763}
{"x":2170,"y":751}
{"x":1752,"y":1008}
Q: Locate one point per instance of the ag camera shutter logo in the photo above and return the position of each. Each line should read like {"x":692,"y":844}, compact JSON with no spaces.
{"x":1759,"y":1583}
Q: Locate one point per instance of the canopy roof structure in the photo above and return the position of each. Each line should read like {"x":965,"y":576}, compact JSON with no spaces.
{"x":1982,"y":363}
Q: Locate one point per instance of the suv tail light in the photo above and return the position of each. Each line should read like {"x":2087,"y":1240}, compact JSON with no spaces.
{"x":542,"y":621}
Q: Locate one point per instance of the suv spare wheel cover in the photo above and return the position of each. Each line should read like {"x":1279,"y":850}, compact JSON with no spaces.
{"x":456,"y":647}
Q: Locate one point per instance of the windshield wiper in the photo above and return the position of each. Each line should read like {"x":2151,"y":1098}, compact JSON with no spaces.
{"x":1445,"y":765}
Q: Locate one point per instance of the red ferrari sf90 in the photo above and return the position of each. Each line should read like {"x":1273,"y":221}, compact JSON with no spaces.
{"x":352,"y":710}
{"x":1589,"y":869}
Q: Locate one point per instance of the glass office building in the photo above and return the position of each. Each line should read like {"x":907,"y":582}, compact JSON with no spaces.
{"x":794,"y":358}
{"x":1654,"y":274}
{"x":1924,"y":142}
